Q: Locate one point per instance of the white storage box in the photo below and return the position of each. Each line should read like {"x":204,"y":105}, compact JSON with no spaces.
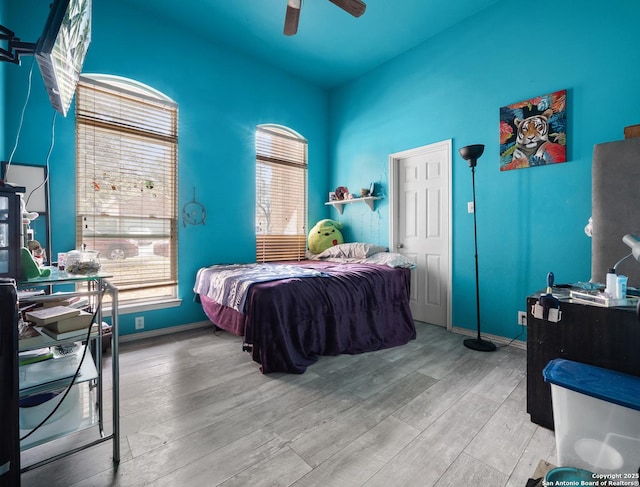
{"x":66,"y":418}
{"x":596,"y":416}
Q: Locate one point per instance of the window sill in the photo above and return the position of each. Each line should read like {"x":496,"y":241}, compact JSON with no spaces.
{"x":142,"y":307}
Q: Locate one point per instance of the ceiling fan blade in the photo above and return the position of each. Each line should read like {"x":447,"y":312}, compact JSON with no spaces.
{"x":291,"y":19}
{"x":354,"y":7}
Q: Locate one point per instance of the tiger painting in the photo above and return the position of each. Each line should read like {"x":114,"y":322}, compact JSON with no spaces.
{"x":533,"y":132}
{"x":532,"y":137}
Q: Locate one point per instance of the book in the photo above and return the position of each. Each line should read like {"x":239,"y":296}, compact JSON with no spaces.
{"x":60,"y":299}
{"x":33,"y":356}
{"x":78,"y":322}
{"x":60,"y":302}
{"x":80,"y":303}
{"x":27,"y":294}
{"x":30,"y":336}
{"x":67,"y":335}
{"x":44,"y":316}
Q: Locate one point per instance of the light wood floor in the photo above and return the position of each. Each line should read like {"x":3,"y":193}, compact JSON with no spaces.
{"x":196,"y":411}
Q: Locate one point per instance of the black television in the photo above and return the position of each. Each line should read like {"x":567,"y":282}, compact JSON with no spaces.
{"x":62,"y":48}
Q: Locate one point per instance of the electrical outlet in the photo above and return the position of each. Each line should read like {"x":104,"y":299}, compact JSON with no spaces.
{"x":522,"y":318}
{"x":470,"y":207}
{"x":139,"y":322}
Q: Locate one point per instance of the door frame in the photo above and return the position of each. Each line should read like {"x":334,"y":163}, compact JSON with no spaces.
{"x":394,"y":179}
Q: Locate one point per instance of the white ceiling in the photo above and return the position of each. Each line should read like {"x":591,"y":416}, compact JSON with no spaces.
{"x":331,"y":47}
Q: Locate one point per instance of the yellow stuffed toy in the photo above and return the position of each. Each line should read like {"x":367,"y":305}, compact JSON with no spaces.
{"x":325,"y":234}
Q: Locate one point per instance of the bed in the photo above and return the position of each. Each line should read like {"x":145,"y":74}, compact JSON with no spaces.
{"x":350,"y":305}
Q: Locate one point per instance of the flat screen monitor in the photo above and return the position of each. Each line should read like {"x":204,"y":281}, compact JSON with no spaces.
{"x":62,"y":48}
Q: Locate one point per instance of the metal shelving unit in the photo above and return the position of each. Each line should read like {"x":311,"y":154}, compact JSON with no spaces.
{"x":86,"y":392}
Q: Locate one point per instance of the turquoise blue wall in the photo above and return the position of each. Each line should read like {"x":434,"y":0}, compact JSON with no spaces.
{"x":222,"y":96}
{"x":530,"y":221}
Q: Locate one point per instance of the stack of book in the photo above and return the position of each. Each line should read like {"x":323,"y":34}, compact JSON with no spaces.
{"x":61,"y":322}
{"x":59,"y":299}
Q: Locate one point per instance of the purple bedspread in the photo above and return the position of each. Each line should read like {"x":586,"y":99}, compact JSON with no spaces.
{"x":360,"y":308}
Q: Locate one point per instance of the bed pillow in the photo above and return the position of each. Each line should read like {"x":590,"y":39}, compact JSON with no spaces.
{"x":355,"y":250}
{"x":391,"y":259}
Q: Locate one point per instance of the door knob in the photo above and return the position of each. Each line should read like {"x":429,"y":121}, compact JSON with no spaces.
{"x":400,"y":246}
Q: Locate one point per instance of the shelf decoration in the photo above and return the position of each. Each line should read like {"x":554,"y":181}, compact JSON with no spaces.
{"x":194,"y":213}
{"x":342,"y":193}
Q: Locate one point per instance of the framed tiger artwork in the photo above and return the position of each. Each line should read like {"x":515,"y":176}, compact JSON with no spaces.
{"x":534,"y":132}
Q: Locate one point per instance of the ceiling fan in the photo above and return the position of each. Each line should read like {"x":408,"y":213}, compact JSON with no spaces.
{"x":353,"y":7}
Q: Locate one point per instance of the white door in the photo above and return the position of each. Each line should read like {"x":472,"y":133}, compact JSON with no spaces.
{"x":420,"y":226}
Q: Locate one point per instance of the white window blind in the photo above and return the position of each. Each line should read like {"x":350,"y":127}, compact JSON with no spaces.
{"x":126,"y":153}
{"x":281,"y":194}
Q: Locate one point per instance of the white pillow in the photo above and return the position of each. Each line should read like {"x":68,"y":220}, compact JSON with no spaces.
{"x":390,"y":259}
{"x":356,"y":250}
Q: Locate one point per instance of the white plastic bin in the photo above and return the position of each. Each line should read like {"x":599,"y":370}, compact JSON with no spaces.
{"x":596,"y":416}
{"x":66,"y":418}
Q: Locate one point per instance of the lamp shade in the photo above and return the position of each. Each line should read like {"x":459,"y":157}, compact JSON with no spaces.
{"x":633,"y":243}
{"x":471,"y":153}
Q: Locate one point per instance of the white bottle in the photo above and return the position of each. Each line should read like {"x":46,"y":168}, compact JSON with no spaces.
{"x":621,"y":287}
{"x":612,"y":284}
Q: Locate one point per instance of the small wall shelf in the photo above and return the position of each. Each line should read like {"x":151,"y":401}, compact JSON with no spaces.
{"x":339,"y":205}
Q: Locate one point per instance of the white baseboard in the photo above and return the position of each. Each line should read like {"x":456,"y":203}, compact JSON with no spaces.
{"x":164,"y":331}
{"x":202,"y":324}
{"x":494,"y":338}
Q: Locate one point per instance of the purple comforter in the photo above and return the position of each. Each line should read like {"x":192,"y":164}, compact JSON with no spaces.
{"x":360,"y":308}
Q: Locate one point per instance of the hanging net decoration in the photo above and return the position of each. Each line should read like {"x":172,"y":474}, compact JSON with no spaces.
{"x":194,"y":213}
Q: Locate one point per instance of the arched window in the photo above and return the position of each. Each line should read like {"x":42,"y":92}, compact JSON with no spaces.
{"x":126,"y":166}
{"x":281,"y":194}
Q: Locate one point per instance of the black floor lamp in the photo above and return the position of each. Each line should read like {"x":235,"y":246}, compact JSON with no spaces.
{"x":471,"y":153}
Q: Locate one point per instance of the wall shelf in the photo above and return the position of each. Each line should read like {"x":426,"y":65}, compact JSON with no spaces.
{"x":339,"y":204}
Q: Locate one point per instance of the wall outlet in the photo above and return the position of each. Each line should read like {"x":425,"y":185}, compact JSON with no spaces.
{"x":470,"y":207}
{"x":522,"y":318}
{"x":139,"y":322}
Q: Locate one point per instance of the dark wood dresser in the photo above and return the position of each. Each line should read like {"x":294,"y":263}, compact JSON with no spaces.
{"x":594,"y":335}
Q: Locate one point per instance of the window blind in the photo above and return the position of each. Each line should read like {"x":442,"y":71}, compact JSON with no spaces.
{"x":126,"y":153}
{"x":281,"y":194}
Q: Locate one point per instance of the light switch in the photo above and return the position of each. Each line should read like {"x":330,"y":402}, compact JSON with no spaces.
{"x":470,"y":207}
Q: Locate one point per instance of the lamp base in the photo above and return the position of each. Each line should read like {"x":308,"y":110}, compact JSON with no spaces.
{"x":479,"y":345}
